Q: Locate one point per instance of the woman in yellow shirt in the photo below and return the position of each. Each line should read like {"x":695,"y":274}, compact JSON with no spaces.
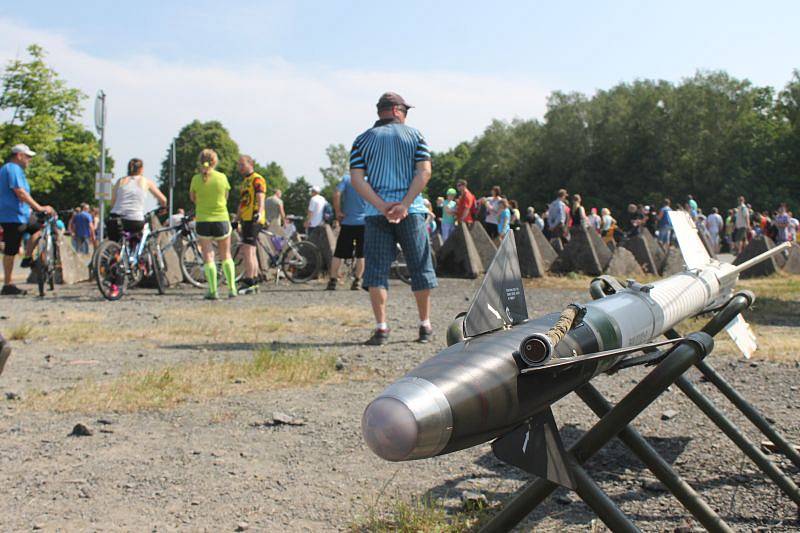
{"x":209,"y":192}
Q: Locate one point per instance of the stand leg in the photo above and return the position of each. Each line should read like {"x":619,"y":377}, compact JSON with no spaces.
{"x":733,"y":433}
{"x":750,"y":412}
{"x":662,"y":470}
{"x":601,"y":504}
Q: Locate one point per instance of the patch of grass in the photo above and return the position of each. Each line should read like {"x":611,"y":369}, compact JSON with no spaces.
{"x":167,"y":387}
{"x":21,"y":332}
{"x":419,"y":514}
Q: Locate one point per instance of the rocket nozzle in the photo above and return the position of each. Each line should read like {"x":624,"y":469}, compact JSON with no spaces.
{"x":536,"y":349}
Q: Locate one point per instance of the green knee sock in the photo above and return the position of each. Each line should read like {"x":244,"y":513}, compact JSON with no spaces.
{"x":230,"y":274}
{"x":210,"y":270}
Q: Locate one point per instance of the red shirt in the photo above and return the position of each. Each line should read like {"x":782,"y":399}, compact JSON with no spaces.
{"x":464,"y":206}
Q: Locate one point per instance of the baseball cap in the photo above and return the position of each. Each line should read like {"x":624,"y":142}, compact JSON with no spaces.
{"x":451,"y":191}
{"x":22,"y":149}
{"x":390,"y":99}
{"x":316,"y":188}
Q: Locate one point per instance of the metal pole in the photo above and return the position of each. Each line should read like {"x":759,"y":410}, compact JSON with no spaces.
{"x":662,"y":470}
{"x":171,"y":178}
{"x":643,"y":394}
{"x":749,"y":411}
{"x":611,"y":515}
{"x":102,"y":97}
{"x":735,"y":434}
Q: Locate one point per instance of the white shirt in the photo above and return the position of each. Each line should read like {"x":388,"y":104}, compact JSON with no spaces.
{"x":492,"y":207}
{"x":714,"y":223}
{"x":316,"y":205}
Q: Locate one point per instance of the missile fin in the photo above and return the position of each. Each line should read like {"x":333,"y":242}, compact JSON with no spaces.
{"x":536,"y":447}
{"x":500,"y":300}
{"x":742,"y":335}
{"x":694,"y":252}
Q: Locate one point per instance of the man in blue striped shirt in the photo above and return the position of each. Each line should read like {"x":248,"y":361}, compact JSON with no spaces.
{"x":390,"y":164}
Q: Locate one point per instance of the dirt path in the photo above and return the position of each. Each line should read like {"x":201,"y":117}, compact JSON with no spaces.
{"x":213,"y":463}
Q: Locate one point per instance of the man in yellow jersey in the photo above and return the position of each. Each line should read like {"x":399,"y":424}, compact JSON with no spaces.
{"x":251,"y":216}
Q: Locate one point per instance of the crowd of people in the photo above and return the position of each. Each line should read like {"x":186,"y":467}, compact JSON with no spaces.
{"x":378,"y":205}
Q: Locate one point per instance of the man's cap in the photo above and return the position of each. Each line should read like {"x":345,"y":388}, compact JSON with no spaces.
{"x":392,"y":99}
{"x":22,"y":149}
{"x":316,"y":188}
{"x":451,"y":191}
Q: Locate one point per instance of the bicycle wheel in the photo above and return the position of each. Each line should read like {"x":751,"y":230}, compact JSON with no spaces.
{"x":192,"y":264}
{"x":400,"y":268}
{"x":301,"y":261}
{"x":110,"y":270}
{"x":41,"y":266}
{"x":159,"y":270}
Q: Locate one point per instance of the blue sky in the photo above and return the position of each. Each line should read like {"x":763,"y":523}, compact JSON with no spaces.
{"x":288,"y":78}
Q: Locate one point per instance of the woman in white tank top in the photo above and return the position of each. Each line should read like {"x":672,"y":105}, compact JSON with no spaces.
{"x":127,"y":200}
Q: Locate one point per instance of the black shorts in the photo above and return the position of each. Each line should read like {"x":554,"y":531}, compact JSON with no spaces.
{"x":213,"y":230}
{"x":250,"y":232}
{"x":116,"y":225}
{"x":350,"y":238}
{"x":739,"y":234}
{"x":491,"y":229}
{"x":12,"y":235}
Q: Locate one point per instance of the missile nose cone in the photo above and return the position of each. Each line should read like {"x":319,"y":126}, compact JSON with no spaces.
{"x":409,"y":420}
{"x":390,"y":429}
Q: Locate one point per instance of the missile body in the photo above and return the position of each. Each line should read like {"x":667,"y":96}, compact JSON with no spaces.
{"x":475,"y":390}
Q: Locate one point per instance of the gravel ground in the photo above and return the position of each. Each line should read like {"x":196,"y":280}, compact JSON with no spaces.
{"x":212,"y":464}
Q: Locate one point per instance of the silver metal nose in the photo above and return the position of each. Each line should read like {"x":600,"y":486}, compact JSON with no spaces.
{"x":409,"y":420}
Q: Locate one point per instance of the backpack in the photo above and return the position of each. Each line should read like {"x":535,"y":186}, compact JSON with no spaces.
{"x":327,"y":213}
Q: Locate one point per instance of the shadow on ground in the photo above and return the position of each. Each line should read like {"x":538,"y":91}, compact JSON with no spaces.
{"x":617,"y":465}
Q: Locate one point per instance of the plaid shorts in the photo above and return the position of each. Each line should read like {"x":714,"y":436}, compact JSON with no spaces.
{"x":380,"y":249}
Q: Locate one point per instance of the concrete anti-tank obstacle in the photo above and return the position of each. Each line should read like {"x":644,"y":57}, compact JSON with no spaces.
{"x":436,"y":243}
{"x":483,"y":243}
{"x":585,"y":252}
{"x":623,"y":264}
{"x":757,"y":246}
{"x":74,"y":265}
{"x":535,"y":255}
{"x":792,"y":265}
{"x":458,"y":256}
{"x":674,"y":262}
{"x":325,"y":239}
{"x":646,"y":250}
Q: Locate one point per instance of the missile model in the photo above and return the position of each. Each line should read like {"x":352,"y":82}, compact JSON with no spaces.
{"x":502,"y":370}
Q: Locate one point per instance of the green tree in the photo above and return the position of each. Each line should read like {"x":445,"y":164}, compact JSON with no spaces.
{"x":45,"y":115}
{"x":446,"y":169}
{"x":339,"y":159}
{"x":274,"y":175}
{"x":296,"y":197}
{"x":191,"y":140}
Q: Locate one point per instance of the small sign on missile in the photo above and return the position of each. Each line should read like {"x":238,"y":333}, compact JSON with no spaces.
{"x":742,"y":335}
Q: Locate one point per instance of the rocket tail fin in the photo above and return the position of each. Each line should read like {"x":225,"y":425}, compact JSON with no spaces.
{"x":694,"y":252}
{"x":500,"y":300}
{"x":536,"y":447}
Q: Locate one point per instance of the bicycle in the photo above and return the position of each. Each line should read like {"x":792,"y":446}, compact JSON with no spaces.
{"x":400,"y":269}
{"x":122,"y":265}
{"x":47,"y":255}
{"x":299,"y":261}
{"x":187,"y":246}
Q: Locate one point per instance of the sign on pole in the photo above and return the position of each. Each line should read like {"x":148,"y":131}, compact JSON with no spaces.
{"x":102,"y":185}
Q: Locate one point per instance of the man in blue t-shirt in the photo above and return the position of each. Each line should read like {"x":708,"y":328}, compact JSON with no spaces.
{"x":349,"y":208}
{"x":15,"y":214}
{"x":82,"y":229}
{"x":390,"y":164}
{"x":664,"y":226}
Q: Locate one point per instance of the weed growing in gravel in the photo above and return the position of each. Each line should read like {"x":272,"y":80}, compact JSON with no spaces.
{"x":168,"y":387}
{"x":419,"y":514}
{"x":21,"y":332}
